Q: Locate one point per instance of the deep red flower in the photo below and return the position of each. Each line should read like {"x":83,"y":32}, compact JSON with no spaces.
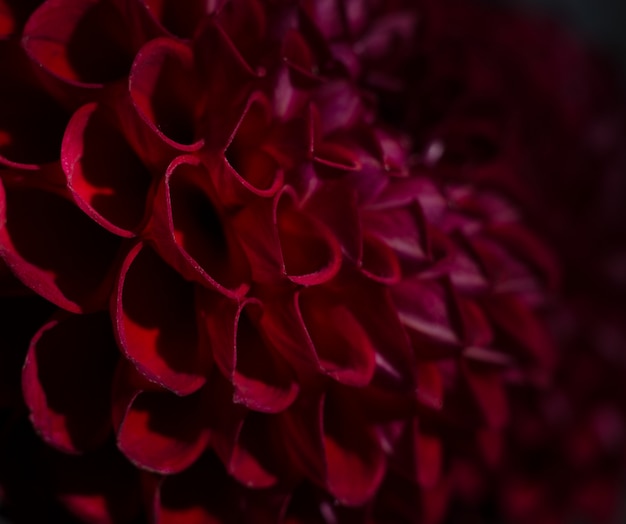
{"x":260,"y":294}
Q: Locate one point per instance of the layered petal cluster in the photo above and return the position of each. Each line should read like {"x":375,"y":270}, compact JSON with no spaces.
{"x":260,"y":292}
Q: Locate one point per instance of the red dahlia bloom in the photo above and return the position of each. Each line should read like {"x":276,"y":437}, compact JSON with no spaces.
{"x":264,"y":298}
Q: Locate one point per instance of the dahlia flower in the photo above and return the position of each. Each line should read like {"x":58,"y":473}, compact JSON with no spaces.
{"x":286,"y":261}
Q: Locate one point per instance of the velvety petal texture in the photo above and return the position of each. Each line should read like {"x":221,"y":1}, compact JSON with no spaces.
{"x":295,"y":261}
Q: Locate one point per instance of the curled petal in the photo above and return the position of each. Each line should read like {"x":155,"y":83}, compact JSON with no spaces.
{"x":86,"y":43}
{"x":343,"y":455}
{"x":202,"y":494}
{"x":164,"y":89}
{"x":192,"y":234}
{"x":244,"y":21}
{"x":343,"y":348}
{"x":262,"y":381}
{"x":429,"y":311}
{"x":163,"y":432}
{"x":106,"y":178}
{"x":379,"y":262}
{"x":155,"y":323}
{"x":310,"y":252}
{"x":100,"y":487}
{"x":176,"y":18}
{"x":50,"y":250}
{"x":67,"y":381}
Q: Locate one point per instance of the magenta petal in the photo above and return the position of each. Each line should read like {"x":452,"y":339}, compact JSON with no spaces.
{"x":343,"y":347}
{"x":429,"y":385}
{"x":310,"y":252}
{"x":163,"y":432}
{"x":85,"y":43}
{"x":105,"y":176}
{"x":192,"y":234}
{"x":164,"y":89}
{"x":428,"y":309}
{"x":155,"y":323}
{"x":50,"y":250}
{"x":67,"y":381}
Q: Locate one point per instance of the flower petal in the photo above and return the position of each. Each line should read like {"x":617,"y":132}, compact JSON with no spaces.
{"x":155,"y":323}
{"x":164,"y":89}
{"x":310,"y":252}
{"x":191,"y":233}
{"x":105,"y":176}
{"x":163,"y":432}
{"x":57,"y":251}
{"x":67,"y":380}
{"x":343,"y":348}
{"x":85,"y":43}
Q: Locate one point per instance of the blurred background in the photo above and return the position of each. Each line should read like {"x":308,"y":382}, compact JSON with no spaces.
{"x":601,"y":22}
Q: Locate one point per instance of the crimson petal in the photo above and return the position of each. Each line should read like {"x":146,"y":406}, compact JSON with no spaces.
{"x":86,"y":43}
{"x":342,"y":345}
{"x":67,"y":381}
{"x":164,"y":89}
{"x":310,"y":252}
{"x":261,"y":380}
{"x":58,"y":250}
{"x":163,"y":432}
{"x":105,"y":176}
{"x":155,"y":323}
{"x":190,"y":232}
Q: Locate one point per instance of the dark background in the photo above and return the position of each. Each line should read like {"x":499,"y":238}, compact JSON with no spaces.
{"x":601,"y":22}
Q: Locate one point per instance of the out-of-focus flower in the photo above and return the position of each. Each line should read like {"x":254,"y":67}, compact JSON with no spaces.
{"x":267,"y":296}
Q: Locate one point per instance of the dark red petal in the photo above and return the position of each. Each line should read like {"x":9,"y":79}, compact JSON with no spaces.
{"x":57,"y":251}
{"x":67,"y":381}
{"x":179,"y":19}
{"x":164,"y":89}
{"x":379,"y":262}
{"x":100,"y":487}
{"x":249,"y":451}
{"x":85,"y":43}
{"x":518,"y":321}
{"x":487,"y":387}
{"x":418,"y":456}
{"x":202,"y":494}
{"x":263,"y":382}
{"x":155,"y":323}
{"x":300,"y":59}
{"x":31,"y":121}
{"x":106,"y":178}
{"x":354,"y":459}
{"x":246,"y":159}
{"x":333,"y":160}
{"x":310,"y":252}
{"x":163,"y":432}
{"x":343,"y":347}
{"x":192,"y":234}
{"x":429,"y":385}
{"x":335,"y":204}
{"x":244,"y":21}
